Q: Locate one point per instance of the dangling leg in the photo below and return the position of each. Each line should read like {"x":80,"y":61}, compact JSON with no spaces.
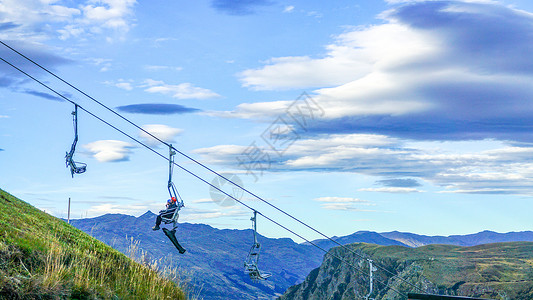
{"x":171,"y":234}
{"x":157,"y":223}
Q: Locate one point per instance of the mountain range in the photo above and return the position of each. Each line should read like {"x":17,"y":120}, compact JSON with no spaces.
{"x":213,"y":263}
{"x":417,"y":240}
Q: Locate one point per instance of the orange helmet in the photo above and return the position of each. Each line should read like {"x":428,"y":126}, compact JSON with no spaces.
{"x":173,"y":199}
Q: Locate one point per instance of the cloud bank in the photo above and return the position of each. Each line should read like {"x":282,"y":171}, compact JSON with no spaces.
{"x":434,"y":70}
{"x":30,"y":20}
{"x":499,"y":169}
{"x":401,"y":99}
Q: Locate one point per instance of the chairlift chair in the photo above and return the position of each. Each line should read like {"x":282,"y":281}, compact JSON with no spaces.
{"x":173,"y":192}
{"x":172,"y":220}
{"x":252,"y":260}
{"x":171,"y":234}
{"x":75,"y":167}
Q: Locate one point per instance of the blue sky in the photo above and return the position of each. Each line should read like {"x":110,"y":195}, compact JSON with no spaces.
{"x":351,"y":115}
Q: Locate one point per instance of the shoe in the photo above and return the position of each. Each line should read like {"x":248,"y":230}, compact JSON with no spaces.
{"x":155,"y":228}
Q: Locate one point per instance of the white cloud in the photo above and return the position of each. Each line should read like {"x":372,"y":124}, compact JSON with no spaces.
{"x":70,"y":31}
{"x":341,"y":200}
{"x":110,"y":150}
{"x":342,"y":203}
{"x":455,"y":166}
{"x":221,"y":154}
{"x":121,"y":84}
{"x":288,"y":9}
{"x":103,"y":63}
{"x":124,"y":85}
{"x":304,"y":72}
{"x":181,"y":91}
{"x":395,"y":190}
{"x":431,"y":64}
{"x":344,"y":151}
{"x":204,"y":200}
{"x":111,"y":14}
{"x":108,"y":208}
{"x":163,"y":132}
{"x":156,"y":68}
{"x":25,"y":15}
{"x":36,"y":20}
{"x":3,"y":117}
{"x":161,"y":40}
{"x":343,"y":206}
{"x":197,"y":215}
{"x":333,"y":151}
{"x":314,"y":14}
{"x":256,"y":111}
{"x":356,"y":68}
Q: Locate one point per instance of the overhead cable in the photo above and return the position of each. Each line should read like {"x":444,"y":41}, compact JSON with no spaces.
{"x":180,"y":152}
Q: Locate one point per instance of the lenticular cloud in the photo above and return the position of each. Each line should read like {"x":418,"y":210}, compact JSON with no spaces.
{"x":109,"y":150}
{"x":435,"y":70}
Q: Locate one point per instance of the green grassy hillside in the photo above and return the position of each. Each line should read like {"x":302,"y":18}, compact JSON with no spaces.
{"x":498,"y":271}
{"x":42,"y":257}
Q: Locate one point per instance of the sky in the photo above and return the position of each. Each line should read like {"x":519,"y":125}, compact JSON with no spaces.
{"x":414,"y":116}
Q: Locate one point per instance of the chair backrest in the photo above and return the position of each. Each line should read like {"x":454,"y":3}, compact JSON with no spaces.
{"x":173,"y":219}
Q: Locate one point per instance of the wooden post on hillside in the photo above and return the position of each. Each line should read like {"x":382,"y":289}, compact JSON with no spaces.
{"x":68,"y":214}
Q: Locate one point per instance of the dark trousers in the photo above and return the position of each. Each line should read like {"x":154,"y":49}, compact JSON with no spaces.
{"x":166,"y":214}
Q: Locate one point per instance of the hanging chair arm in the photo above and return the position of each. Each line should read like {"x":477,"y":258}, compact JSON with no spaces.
{"x":173,"y":192}
{"x":69,"y":161}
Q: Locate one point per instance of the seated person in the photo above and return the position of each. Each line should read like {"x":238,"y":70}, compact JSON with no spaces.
{"x":166,"y":213}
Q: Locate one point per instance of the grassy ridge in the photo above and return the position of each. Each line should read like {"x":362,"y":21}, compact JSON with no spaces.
{"x":497,"y":271}
{"x":493,"y":271}
{"x":499,"y":262}
{"x":43,"y":257}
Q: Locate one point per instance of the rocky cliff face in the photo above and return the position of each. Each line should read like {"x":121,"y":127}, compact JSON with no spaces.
{"x":496,"y":271}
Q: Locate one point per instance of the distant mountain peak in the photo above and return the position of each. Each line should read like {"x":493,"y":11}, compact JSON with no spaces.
{"x":148,"y":214}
